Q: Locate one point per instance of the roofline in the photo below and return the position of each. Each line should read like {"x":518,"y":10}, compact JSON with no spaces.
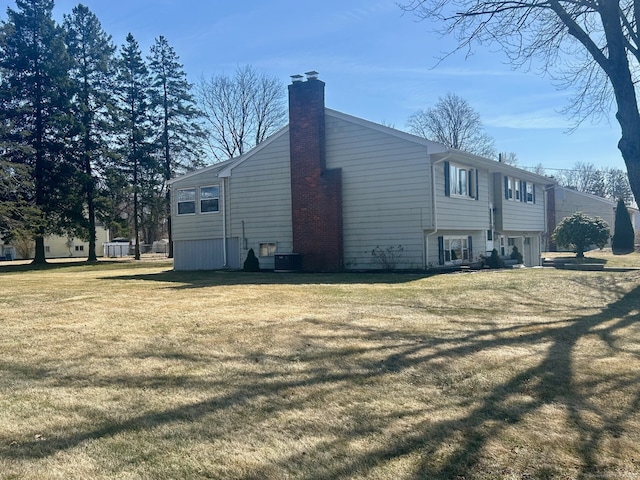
{"x":214,"y":166}
{"x":226,"y":166}
{"x":432,"y":147}
{"x":495,"y":166}
{"x":258,"y":148}
{"x":613,"y":203}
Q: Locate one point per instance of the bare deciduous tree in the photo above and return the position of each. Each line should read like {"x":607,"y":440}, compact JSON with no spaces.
{"x":591,"y":46}
{"x":240,"y":111}
{"x":454,"y":123}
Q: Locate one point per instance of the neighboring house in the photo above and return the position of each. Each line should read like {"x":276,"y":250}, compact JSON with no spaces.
{"x":564,"y":202}
{"x":332,"y":187}
{"x":58,"y":247}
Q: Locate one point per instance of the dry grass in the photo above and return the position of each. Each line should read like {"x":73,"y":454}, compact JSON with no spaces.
{"x":132,"y":371}
{"x":604,"y":256}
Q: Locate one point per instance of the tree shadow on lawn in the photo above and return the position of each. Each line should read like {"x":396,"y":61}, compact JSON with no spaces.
{"x":447,"y":449}
{"x":202,"y":278}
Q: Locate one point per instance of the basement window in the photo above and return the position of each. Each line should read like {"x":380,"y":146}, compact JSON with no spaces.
{"x":267,"y":249}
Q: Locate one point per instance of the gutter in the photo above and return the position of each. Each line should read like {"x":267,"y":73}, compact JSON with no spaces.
{"x":434,"y":203}
{"x":224,"y":222}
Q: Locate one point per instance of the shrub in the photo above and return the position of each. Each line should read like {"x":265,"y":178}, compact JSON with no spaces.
{"x":494,"y":261}
{"x":579,"y":231}
{"x":387,"y":258}
{"x":251,"y":263}
{"x":623,"y":234}
{"x":516,"y":255}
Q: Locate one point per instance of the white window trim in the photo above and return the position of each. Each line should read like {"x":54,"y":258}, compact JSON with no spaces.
{"x":275,"y":249}
{"x":464,"y":239}
{"x":195,"y":201}
{"x":200,"y":199}
{"x":454,"y":181}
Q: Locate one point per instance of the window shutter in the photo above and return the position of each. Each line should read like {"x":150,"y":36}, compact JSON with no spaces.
{"x":441,"y":250}
{"x":477,"y":185}
{"x":534,"y":192}
{"x":506,"y":188}
{"x":470,"y":241}
{"x":447,"y":179}
{"x":525,"y":195}
{"x":469,"y":180}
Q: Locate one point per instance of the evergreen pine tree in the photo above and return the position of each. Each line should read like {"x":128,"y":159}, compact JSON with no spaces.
{"x":180,"y":134}
{"x":34,"y":100}
{"x":92,"y":52}
{"x":134,"y":128}
{"x":623,"y":234}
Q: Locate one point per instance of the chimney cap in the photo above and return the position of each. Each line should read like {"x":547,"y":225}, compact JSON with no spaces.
{"x":296,"y":78}
{"x":312,"y":75}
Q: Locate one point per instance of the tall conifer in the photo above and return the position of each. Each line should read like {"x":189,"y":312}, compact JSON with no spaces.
{"x":34,"y":102}
{"x":92,"y":52}
{"x":180,"y":134}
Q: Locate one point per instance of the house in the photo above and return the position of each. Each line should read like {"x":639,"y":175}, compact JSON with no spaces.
{"x":59,"y":247}
{"x":564,"y":202}
{"x":335,"y":189}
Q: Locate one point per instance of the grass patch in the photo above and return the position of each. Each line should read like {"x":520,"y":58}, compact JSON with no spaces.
{"x":121,"y":370}
{"x":604,"y":256}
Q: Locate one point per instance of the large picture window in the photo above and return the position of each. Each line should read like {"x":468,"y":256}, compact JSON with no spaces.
{"x":187,"y":201}
{"x":209,"y":199}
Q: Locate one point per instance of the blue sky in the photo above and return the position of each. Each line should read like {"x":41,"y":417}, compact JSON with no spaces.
{"x":378,"y":64}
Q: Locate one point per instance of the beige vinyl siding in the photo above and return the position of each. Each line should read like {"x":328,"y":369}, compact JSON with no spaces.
{"x":197,"y":226}
{"x":569,"y":202}
{"x":386,"y":192}
{"x":462,"y":213}
{"x":260,"y":196}
{"x":478,"y":238}
{"x":513,"y":215}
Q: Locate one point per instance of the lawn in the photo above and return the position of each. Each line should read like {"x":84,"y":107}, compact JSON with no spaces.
{"x":603,"y":256}
{"x":133,"y":371}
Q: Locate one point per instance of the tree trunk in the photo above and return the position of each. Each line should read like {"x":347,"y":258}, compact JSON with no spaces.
{"x":39,"y":257}
{"x":92,"y":258}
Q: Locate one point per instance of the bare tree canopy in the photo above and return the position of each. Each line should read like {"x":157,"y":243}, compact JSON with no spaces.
{"x":592,"y":46}
{"x":454,"y":123}
{"x":240,"y":111}
{"x":611,"y":183}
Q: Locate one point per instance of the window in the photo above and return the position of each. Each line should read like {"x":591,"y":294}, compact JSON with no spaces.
{"x":508,"y":188}
{"x":456,"y":248}
{"x":530,"y":193}
{"x":187,"y":201}
{"x":267,"y":249}
{"x":47,"y":249}
{"x":462,"y":181}
{"x":209,"y":199}
{"x":518,"y":193}
{"x":79,"y":248}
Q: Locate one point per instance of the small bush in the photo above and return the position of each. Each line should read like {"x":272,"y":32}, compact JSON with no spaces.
{"x":494,"y":261}
{"x":387,"y":258}
{"x":251,"y":264}
{"x":516,"y":255}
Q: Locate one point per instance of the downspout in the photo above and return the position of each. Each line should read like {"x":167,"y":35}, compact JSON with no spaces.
{"x":434,"y":203}
{"x":224,"y":222}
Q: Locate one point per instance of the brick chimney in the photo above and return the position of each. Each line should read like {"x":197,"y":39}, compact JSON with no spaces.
{"x":316,"y":192}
